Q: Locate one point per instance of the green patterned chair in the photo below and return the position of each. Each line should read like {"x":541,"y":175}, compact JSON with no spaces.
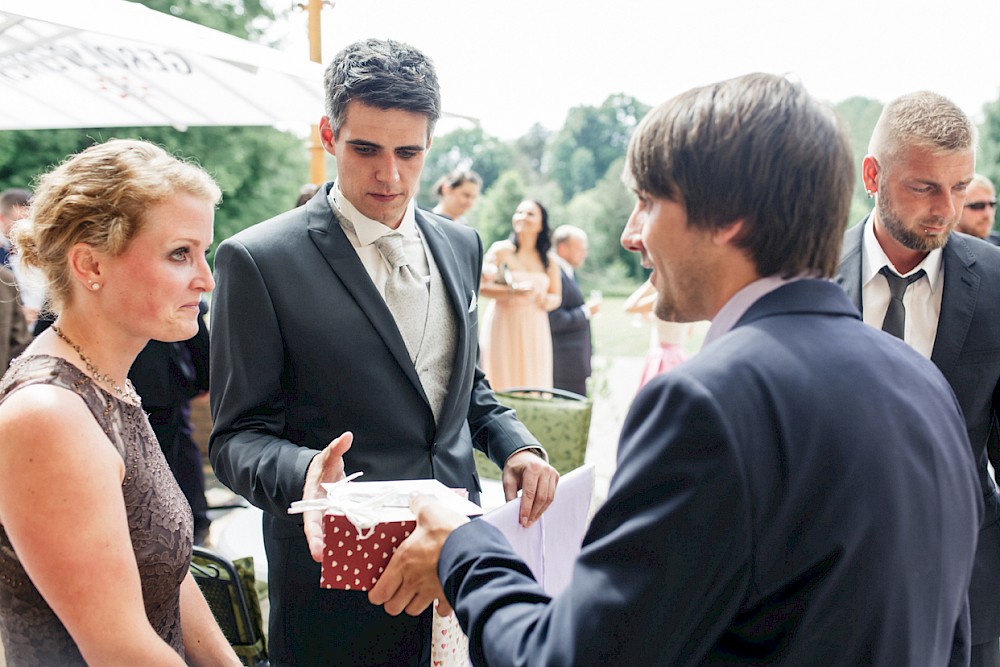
{"x":230,"y":589}
{"x":559,"y":419}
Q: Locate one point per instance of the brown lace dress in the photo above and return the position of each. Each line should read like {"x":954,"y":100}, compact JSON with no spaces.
{"x":159,"y":520}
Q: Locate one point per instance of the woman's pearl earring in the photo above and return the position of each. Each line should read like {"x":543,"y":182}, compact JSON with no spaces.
{"x":95,"y":286}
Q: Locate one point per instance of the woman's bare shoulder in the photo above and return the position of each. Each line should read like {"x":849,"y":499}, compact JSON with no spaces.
{"x":46,"y":418}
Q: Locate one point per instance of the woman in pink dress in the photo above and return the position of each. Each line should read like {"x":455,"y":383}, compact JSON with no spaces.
{"x":667,"y":339}
{"x":521,"y":276}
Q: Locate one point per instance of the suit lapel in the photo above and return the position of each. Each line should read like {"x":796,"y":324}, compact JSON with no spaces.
{"x":447,"y":263}
{"x":958,"y":302}
{"x":336,"y":248}
{"x":444,"y":256}
{"x":850,"y":263}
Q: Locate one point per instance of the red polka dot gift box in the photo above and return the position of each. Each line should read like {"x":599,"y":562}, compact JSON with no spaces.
{"x":353,"y":559}
{"x":365,"y":522}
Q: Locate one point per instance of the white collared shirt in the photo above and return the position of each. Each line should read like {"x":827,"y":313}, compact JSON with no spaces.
{"x":922,"y":299}
{"x":367,"y":231}
{"x":566,"y":267}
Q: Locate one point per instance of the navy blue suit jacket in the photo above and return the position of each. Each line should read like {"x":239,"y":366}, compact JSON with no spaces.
{"x":304,"y":348}
{"x":777,"y":501}
{"x":967,"y":350}
{"x":571,"y":348}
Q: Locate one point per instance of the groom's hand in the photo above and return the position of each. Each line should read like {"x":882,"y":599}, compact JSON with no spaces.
{"x":327,"y":466}
{"x":536,"y":480}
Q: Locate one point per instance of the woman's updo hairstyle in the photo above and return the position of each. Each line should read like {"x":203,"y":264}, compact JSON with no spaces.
{"x":99,"y":197}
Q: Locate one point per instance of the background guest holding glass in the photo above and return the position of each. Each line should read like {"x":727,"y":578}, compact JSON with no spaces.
{"x":95,"y":535}
{"x":522,"y":277}
{"x":457,"y":192}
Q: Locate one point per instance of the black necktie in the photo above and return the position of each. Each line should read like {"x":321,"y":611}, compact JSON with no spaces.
{"x":895,"y":315}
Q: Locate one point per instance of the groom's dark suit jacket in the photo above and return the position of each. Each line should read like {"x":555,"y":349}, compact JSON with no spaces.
{"x":303,"y":349}
{"x":967,"y":351}
{"x":766,"y":510}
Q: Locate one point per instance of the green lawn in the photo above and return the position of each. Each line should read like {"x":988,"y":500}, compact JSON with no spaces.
{"x":618,"y":334}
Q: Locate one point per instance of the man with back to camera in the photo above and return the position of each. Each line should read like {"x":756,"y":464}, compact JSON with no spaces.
{"x":910,"y":274}
{"x":980,"y":210}
{"x":317,"y":338}
{"x":765,"y":508}
{"x":570,"y":322}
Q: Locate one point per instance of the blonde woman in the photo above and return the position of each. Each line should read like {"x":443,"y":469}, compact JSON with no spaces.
{"x":95,"y":535}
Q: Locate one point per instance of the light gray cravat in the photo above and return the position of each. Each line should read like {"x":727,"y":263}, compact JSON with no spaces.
{"x":405,"y":293}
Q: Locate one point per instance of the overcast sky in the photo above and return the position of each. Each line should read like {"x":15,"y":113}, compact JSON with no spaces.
{"x":517,"y":62}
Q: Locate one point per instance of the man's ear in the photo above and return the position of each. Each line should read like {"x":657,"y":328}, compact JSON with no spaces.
{"x":870,"y":169}
{"x":326,"y":136}
{"x":725,"y":235}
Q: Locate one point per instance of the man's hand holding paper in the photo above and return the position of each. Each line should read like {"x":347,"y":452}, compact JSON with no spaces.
{"x":535,"y":478}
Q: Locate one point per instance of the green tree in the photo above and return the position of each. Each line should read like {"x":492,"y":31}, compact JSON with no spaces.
{"x":859,"y":115}
{"x":531,"y":152}
{"x":491,"y":216}
{"x":988,"y":161}
{"x":244,"y":18}
{"x":25,"y":155}
{"x":591,"y":140}
{"x":472,"y":149}
{"x":259,"y":169}
{"x":602,"y":212}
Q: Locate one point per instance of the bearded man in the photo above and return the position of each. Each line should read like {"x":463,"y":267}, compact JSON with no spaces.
{"x":911,"y":275}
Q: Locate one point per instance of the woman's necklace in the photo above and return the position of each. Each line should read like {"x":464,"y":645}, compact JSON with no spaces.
{"x":127,"y":393}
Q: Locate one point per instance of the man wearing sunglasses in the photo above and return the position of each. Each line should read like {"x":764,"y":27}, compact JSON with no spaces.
{"x":980,"y":209}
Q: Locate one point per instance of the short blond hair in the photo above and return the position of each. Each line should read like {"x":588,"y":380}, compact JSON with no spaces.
{"x":100,"y":197}
{"x":564,"y":233}
{"x":983,"y":181}
{"x":923,"y":119}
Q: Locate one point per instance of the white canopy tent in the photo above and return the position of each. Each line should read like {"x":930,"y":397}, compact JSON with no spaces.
{"x":113,"y":63}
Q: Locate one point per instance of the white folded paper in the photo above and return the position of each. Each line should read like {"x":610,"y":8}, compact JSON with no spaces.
{"x":550,"y":546}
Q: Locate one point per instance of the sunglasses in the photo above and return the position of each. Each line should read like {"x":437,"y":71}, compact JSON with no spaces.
{"x":980,"y":205}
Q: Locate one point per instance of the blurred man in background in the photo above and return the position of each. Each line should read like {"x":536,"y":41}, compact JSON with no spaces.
{"x":980,"y":210}
{"x":570,"y":322}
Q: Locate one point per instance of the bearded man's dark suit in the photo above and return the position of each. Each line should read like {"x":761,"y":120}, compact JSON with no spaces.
{"x":571,"y":347}
{"x":303,"y":349}
{"x":967,"y":351}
